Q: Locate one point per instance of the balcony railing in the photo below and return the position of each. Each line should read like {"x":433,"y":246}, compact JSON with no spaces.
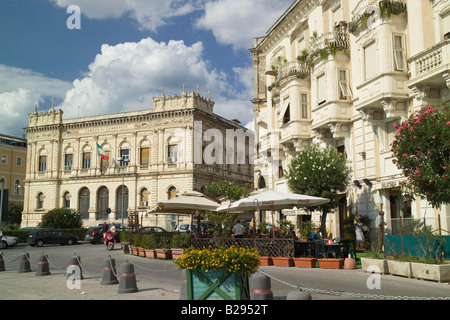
{"x":430,"y":61}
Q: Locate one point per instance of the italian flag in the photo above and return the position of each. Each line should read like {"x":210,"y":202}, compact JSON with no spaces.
{"x":102,"y":153}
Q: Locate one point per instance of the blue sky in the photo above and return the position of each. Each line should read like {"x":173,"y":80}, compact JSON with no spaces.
{"x":125,"y":52}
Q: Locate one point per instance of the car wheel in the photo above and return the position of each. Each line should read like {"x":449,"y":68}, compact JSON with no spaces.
{"x":3,"y":245}
{"x":70,"y":242}
{"x":40,"y":243}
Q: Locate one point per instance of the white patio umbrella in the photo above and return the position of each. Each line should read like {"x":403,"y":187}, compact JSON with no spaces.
{"x":189,"y":203}
{"x":272,"y":200}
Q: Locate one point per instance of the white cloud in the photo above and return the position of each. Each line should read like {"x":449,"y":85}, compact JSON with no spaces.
{"x":20,"y":90}
{"x":237,"y":22}
{"x":149,"y":14}
{"x":126,"y":77}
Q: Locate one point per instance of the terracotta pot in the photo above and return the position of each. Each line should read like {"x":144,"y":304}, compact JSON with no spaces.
{"x":150,"y":253}
{"x":330,"y":263}
{"x":266,"y":261}
{"x":350,"y":263}
{"x":163,"y":254}
{"x":283,"y":262}
{"x":141,"y":252}
{"x":176,"y":253}
{"x":135,"y":251}
{"x":305,"y":262}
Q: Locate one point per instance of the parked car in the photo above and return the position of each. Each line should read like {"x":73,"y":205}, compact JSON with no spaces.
{"x":94,"y":235}
{"x":39,"y":237}
{"x":7,"y":241}
{"x":151,"y":229}
{"x":194,"y":227}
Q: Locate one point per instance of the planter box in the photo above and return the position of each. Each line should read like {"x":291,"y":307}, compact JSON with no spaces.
{"x":216,"y":285}
{"x":433,"y":272}
{"x":266,"y":261}
{"x":305,"y":262}
{"x":283,"y":262}
{"x":135,"y":251}
{"x":163,"y":254}
{"x":141,"y":252}
{"x":150,"y":253}
{"x":176,"y":253}
{"x":330,"y":263}
{"x":375,"y":265}
{"x":400,"y":268}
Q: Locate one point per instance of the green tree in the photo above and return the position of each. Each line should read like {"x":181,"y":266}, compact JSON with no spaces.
{"x":61,"y":218}
{"x":224,"y":221}
{"x":422,"y":151}
{"x":319,"y":172}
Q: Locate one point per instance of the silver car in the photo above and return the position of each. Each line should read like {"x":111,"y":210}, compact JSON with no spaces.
{"x":8,"y":241}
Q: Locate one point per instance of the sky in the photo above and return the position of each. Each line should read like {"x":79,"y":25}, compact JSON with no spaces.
{"x":106,"y":56}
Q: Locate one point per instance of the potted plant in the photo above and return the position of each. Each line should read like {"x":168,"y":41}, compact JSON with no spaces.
{"x":374,"y":261}
{"x":330,"y":263}
{"x":307,"y":230}
{"x":125,"y":241}
{"x":180,"y":242}
{"x":219,"y":274}
{"x":136,"y":239}
{"x":305,"y":262}
{"x":146,"y":244}
{"x":287,"y":259}
{"x":265,"y":259}
{"x":164,"y":252}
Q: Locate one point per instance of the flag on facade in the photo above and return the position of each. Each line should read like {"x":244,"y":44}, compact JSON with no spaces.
{"x":102,"y":153}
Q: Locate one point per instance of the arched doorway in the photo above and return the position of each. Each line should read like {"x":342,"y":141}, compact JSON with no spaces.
{"x":122,"y":202}
{"x":102,"y":203}
{"x":83,"y":203}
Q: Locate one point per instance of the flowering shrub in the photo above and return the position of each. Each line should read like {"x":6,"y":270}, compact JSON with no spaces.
{"x":422,"y":151}
{"x":234,"y":259}
{"x":61,"y":218}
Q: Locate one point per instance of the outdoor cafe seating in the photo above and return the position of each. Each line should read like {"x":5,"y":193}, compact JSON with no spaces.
{"x":339,"y":248}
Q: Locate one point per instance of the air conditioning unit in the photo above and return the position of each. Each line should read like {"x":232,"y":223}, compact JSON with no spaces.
{"x":172,"y":159}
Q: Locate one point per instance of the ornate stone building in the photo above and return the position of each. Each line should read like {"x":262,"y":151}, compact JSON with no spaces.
{"x":153,"y":155}
{"x":341,"y":73}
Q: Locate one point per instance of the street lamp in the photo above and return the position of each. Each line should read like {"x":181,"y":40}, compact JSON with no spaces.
{"x":123,"y":163}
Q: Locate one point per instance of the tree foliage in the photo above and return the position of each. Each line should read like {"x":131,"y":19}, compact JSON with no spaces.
{"x":422,"y":151}
{"x":319,"y":172}
{"x":61,"y":218}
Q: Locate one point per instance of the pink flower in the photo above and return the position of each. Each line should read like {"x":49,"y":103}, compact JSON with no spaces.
{"x":433,"y":137}
{"x":445,"y":167}
{"x":405,"y":154}
{"x":417,"y":171}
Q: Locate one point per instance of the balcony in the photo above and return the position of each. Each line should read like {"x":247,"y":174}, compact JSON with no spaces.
{"x":431,"y":67}
{"x":295,"y":132}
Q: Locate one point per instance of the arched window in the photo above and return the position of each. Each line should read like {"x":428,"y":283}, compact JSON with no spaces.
{"x":261,"y":183}
{"x":83,"y":203}
{"x":144,"y":197}
{"x":66,"y":200}
{"x":17,"y":187}
{"x":172,"y":192}
{"x":40,"y":201}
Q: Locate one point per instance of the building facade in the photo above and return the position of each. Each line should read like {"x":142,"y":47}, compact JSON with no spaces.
{"x":152,"y":155}
{"x":13,"y":156}
{"x":340,"y":73}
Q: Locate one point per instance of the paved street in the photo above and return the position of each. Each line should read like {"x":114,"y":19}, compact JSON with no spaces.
{"x":159,"y":279}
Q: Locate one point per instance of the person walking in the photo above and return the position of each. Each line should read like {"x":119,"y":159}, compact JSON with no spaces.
{"x":379,"y":224}
{"x":359,"y":233}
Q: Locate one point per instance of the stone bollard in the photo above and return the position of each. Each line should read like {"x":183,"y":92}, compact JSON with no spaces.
{"x":74,"y":266}
{"x":109,"y":272}
{"x":183,"y":290}
{"x":298,"y":295}
{"x":43,"y":268}
{"x":24,"y":263}
{"x":261,"y":287}
{"x":127,"y":280}
{"x":2,"y":262}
